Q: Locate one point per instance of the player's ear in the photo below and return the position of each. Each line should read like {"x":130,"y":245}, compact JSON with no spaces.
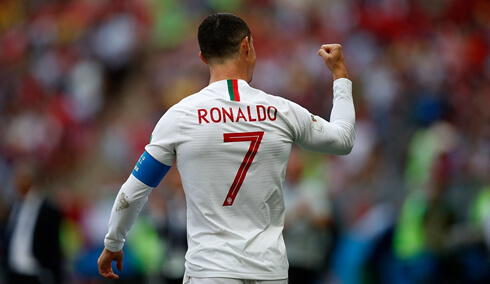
{"x":245,"y":45}
{"x":202,"y":58}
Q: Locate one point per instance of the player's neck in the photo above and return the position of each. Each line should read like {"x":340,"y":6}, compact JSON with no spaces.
{"x":228,"y":70}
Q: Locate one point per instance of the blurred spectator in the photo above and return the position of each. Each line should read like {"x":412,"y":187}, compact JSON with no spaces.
{"x":363,"y":252}
{"x":423,"y":236}
{"x":481,"y":213}
{"x":308,"y":229}
{"x":365,"y":214}
{"x":34,"y":250}
{"x":168,"y":209}
{"x":473,"y":240}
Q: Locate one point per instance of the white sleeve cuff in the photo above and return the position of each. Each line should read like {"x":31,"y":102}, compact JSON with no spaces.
{"x":113,"y":245}
{"x":342,"y":81}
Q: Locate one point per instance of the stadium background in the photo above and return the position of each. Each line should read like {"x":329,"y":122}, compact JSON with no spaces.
{"x":82,"y":83}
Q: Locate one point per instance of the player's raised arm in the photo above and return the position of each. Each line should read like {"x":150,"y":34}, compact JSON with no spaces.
{"x":337,"y":136}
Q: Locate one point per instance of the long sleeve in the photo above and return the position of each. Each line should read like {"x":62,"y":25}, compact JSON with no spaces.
{"x":129,"y":201}
{"x":334,"y":137}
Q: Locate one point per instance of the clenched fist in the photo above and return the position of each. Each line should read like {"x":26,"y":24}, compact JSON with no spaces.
{"x":334,"y":59}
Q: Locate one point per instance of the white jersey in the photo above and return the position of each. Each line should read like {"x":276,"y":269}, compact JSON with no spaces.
{"x":231,"y":144}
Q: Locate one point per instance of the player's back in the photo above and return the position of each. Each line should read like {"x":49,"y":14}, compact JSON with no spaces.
{"x":232,"y":144}
{"x":232,"y":150}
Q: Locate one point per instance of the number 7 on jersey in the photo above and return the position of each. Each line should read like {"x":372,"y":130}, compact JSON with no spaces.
{"x":255,"y":138}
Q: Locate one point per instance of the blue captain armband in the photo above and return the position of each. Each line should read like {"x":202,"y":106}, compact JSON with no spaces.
{"x":150,"y":171}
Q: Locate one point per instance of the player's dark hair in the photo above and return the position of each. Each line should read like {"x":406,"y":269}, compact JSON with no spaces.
{"x":220,"y":35}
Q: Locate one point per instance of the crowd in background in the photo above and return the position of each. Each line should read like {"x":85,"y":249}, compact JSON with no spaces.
{"x":83,"y":82}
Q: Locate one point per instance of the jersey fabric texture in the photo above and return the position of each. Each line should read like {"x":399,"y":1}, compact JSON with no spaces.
{"x":231,"y":144}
